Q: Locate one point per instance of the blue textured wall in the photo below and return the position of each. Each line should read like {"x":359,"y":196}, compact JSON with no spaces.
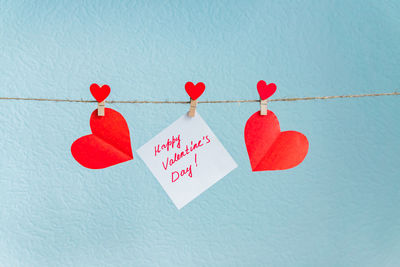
{"x":340,"y":207}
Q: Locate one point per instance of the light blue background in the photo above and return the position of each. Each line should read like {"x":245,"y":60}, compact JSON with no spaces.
{"x":340,"y":207}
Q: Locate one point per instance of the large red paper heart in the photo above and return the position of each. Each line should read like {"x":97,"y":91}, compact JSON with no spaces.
{"x":265,"y":90}
{"x":269,"y":148}
{"x":109,"y":143}
{"x":100,"y":93}
{"x":194,"y":91}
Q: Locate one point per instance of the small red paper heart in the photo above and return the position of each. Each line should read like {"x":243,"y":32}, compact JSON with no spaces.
{"x":265,"y":90}
{"x":100,"y":93}
{"x":269,"y":148}
{"x":109,"y":143}
{"x":194,"y":91}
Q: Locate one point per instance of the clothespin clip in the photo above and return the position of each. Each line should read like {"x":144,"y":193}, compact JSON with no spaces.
{"x":100,"y":108}
{"x":263,"y":107}
{"x":194,"y":91}
{"x":265,"y":91}
{"x":100,"y":94}
{"x":192,"y":110}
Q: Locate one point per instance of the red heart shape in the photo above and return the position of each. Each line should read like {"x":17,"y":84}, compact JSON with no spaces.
{"x":269,"y":148}
{"x":194,"y":91}
{"x":109,"y":143}
{"x":265,"y":90}
{"x":100,"y":93}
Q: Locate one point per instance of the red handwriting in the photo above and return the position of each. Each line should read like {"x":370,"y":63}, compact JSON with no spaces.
{"x":177,"y":156}
{"x":168,"y":144}
{"x":175,"y":143}
{"x":175,"y":175}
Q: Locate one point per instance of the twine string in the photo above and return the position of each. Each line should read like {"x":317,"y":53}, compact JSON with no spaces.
{"x":205,"y":102}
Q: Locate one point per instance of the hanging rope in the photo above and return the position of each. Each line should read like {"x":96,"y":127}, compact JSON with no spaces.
{"x":206,"y":101}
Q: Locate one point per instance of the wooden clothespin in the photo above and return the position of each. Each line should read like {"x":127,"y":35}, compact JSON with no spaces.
{"x":263,"y":107}
{"x":192,"y":110}
{"x":100,"y":108}
{"x":100,"y":94}
{"x":194,"y":91}
{"x":265,"y":91}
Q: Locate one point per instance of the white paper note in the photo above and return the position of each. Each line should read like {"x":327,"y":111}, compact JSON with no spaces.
{"x":186,"y":158}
